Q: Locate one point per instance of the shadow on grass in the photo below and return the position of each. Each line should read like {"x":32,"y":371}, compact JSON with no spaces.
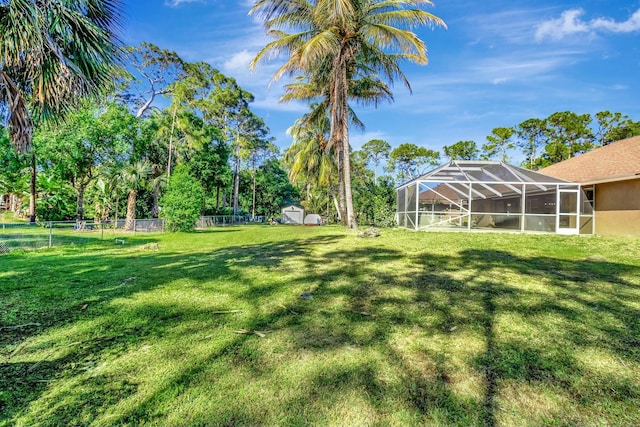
{"x":356,"y":307}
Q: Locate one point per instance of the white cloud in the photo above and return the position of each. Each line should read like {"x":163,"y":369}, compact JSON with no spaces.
{"x":513,"y":26}
{"x":176,"y":3}
{"x":570,"y":22}
{"x":238,"y":63}
{"x":357,"y":139}
{"x":630,"y":25}
{"x":272,"y":103}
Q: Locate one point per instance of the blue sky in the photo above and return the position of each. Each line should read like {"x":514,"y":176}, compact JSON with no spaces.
{"x":499,"y":63}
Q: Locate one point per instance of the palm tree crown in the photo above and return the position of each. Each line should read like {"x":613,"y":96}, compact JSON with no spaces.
{"x":51,"y":53}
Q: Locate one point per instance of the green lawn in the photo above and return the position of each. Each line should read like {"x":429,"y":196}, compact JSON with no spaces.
{"x":404,"y":329}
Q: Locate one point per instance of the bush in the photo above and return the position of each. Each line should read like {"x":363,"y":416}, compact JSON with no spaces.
{"x":384,"y":214}
{"x":181,"y":204}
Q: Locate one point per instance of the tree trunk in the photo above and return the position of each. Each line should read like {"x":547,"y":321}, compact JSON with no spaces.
{"x":155,"y":209}
{"x":335,"y":203}
{"x":236,"y":183}
{"x":342,"y":214}
{"x":131,"y":210}
{"x":32,"y":193}
{"x":253,"y":205}
{"x":351,"y":218}
{"x":14,"y":203}
{"x":115,"y":225}
{"x":80,"y":201}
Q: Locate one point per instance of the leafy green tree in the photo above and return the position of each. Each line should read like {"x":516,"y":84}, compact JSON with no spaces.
{"x":410,"y":161}
{"x":462,"y":150}
{"x":182,"y":201}
{"x":532,"y":134}
{"x":92,"y":135}
{"x":569,"y":135}
{"x":331,"y":38}
{"x":614,"y":127}
{"x":221,"y":102}
{"x":210,"y":166}
{"x":56,"y":199}
{"x":376,"y":150}
{"x":273,"y":189}
{"x":13,"y":180}
{"x":256,"y":151}
{"x":498,"y":144}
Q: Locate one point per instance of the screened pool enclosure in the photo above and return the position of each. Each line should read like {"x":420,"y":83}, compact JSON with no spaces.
{"x":478,"y":195}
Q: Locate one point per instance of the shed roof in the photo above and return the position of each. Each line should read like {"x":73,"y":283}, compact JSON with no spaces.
{"x":614,"y":162}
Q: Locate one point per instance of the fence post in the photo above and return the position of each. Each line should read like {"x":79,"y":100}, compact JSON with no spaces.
{"x":102,"y":229}
{"x":134,"y":226}
{"x":50,"y":232}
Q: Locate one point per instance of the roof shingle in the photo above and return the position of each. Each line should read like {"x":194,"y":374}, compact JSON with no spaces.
{"x":617,"y":161}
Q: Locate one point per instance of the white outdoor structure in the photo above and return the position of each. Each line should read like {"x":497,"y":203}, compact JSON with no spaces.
{"x":292,"y":215}
{"x":313,"y":219}
{"x":493,"y":195}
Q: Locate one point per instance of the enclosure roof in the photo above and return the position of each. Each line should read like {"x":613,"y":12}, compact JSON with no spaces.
{"x":487,"y":172}
{"x":614,"y":162}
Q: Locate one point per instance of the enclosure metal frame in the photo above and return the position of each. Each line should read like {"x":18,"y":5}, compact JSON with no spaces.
{"x":465,"y":185}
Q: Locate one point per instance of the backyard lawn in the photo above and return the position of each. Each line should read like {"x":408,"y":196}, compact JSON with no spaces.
{"x":314,"y":326}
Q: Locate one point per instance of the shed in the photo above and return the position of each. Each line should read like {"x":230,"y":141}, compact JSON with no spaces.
{"x":484,"y":195}
{"x":313,"y":219}
{"x":610,"y":176}
{"x":292,"y":215}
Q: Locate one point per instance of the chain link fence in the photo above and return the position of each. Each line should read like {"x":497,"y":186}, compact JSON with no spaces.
{"x":29,"y":236}
{"x":224,"y":220}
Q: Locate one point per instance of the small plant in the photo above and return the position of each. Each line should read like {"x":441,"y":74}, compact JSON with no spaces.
{"x":182,"y":202}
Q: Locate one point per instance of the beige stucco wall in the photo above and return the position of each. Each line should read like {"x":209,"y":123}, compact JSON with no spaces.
{"x":617,"y":208}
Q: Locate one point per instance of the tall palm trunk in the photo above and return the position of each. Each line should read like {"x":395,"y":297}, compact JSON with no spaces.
{"x":342,"y":213}
{"x":340,"y":130}
{"x":351,"y":219}
{"x":131,"y":210}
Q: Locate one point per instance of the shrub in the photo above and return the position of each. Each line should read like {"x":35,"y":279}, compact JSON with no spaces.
{"x":182,"y":201}
{"x":383,"y":213}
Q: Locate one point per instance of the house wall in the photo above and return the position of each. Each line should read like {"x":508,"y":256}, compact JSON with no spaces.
{"x":617,"y":208}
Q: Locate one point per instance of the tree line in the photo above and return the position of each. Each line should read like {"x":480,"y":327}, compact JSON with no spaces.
{"x":115,"y":155}
{"x":543,"y":142}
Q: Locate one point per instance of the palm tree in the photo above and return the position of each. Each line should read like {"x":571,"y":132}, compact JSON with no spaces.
{"x":309,"y":160}
{"x":330,"y":37}
{"x":52,"y":53}
{"x":364,"y":89}
{"x":134,"y":177}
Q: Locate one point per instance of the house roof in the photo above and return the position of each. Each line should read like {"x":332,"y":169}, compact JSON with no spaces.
{"x":614,"y":162}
